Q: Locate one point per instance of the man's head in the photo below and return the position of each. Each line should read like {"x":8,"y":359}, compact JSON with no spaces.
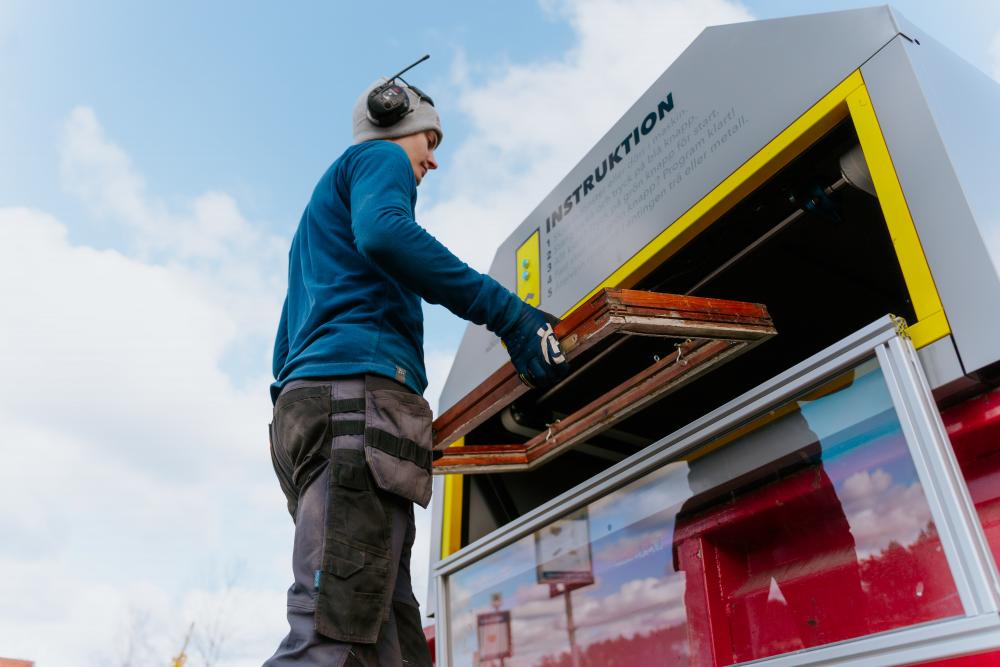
{"x":419,"y":147}
{"x":418,"y":132}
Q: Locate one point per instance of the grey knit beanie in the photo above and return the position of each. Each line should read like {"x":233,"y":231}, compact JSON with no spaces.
{"x":422,"y":117}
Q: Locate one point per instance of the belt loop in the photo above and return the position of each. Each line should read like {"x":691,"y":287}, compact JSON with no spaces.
{"x":352,"y":427}
{"x":347,"y":405}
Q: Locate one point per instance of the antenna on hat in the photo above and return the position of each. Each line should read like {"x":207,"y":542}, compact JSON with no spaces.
{"x":421,"y":94}
{"x":407,"y":69}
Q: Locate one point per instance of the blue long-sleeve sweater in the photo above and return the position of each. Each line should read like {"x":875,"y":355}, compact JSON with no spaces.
{"x":359,"y":265}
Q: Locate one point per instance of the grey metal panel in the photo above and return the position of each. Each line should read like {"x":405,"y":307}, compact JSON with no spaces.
{"x":941,"y":363}
{"x":930,"y":641}
{"x":938,"y":115}
{"x":442,"y":647}
{"x":733,"y":90}
{"x":955,"y":517}
{"x":903,"y":25}
{"x":437,"y":525}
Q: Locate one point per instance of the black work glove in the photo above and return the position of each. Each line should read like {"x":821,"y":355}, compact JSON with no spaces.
{"x":534,"y":348}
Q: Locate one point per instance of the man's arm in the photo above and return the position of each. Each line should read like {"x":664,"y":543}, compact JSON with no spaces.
{"x":388,"y":236}
{"x":382,"y":189}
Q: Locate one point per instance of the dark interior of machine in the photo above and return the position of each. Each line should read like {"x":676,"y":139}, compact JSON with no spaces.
{"x":824,"y":275}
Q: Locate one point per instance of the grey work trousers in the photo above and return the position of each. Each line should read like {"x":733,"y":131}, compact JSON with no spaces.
{"x":315,"y":508}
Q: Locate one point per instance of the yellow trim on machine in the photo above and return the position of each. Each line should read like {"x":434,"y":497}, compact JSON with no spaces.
{"x":848,"y":99}
{"x":451,"y":511}
{"x":529,"y":270}
{"x":931,"y":321}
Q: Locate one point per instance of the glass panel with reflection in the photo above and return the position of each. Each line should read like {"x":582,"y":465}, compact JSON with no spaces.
{"x":805,"y":527}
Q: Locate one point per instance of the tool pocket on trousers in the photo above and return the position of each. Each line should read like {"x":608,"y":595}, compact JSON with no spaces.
{"x":301,"y":433}
{"x":354,"y":585}
{"x":351,"y":602}
{"x":355,"y":511}
{"x":398,"y":442}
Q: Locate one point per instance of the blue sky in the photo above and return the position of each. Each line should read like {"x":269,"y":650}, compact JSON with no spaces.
{"x":154,"y":161}
{"x":252,"y":102}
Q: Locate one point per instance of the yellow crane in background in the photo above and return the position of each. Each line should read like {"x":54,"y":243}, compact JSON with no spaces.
{"x":181,"y":657}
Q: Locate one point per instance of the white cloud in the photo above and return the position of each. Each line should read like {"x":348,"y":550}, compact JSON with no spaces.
{"x":638,"y":606}
{"x":862,"y":485}
{"x":881,"y":510}
{"x":130,"y":459}
{"x":993,"y":52}
{"x":627,"y":549}
{"x":205,"y":240}
{"x":100,"y":624}
{"x":234,"y":622}
{"x":664,"y":595}
{"x":531,"y":123}
{"x":437,"y":363}
{"x":130,"y":352}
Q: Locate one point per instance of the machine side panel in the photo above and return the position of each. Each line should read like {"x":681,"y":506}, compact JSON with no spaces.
{"x":942,"y":366}
{"x":727,"y":95}
{"x":437,"y":525}
{"x":938,"y":115}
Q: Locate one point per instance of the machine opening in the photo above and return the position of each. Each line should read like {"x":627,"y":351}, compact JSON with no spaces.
{"x":809,"y":244}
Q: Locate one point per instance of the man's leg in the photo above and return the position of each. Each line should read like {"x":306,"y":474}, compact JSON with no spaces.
{"x":405,"y":609}
{"x":292,"y":434}
{"x":400,"y":639}
{"x":302,"y":646}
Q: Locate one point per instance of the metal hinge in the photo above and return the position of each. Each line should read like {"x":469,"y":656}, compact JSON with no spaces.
{"x":901,"y":329}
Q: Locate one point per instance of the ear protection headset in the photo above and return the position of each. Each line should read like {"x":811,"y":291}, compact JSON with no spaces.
{"x":389,"y":103}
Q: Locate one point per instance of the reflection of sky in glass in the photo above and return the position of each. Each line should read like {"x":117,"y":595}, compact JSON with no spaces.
{"x":877,"y":484}
{"x":851,"y":430}
{"x":867,"y":397}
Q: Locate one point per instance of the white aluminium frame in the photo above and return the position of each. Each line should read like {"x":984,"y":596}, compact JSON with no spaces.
{"x":961,"y":534}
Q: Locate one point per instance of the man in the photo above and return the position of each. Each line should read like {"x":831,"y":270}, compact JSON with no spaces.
{"x":351,"y":435}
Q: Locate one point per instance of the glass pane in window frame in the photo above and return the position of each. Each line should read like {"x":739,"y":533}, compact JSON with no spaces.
{"x":961,"y":537}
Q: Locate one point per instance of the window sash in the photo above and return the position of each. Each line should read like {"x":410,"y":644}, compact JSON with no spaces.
{"x":959,"y":530}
